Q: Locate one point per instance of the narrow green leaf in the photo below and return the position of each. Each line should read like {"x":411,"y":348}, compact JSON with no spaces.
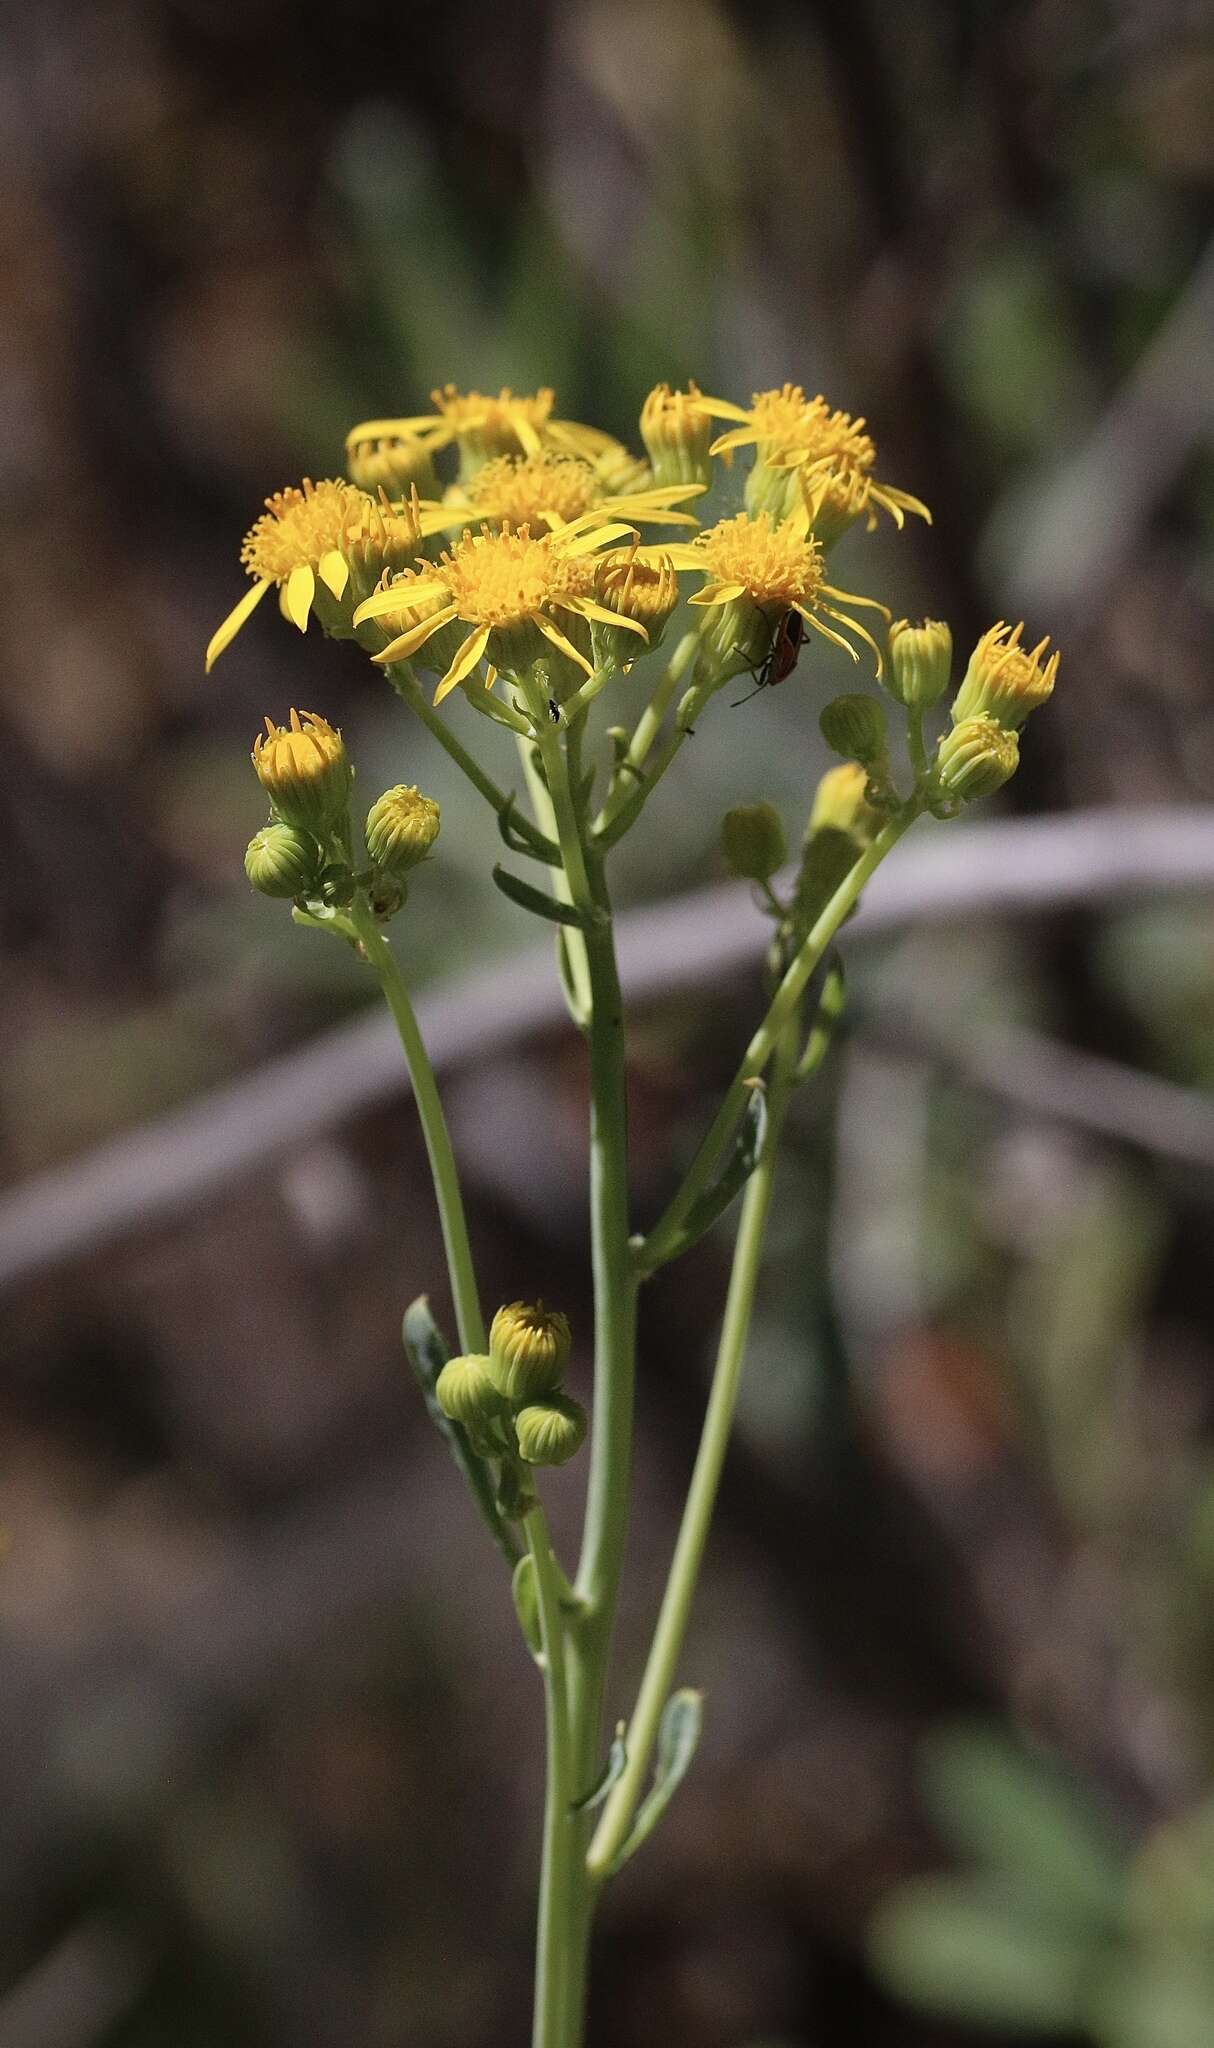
{"x":677,"y":1740}
{"x":523,"y":837}
{"x":527,"y":1606}
{"x":427,"y":1352}
{"x":536,"y":901}
{"x":709,"y":1207}
{"x":617,"y":1757}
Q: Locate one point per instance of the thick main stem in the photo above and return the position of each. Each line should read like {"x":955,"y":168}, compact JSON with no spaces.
{"x":552,"y":1944}
{"x":469,"y":1320}
{"x":688,"y":1557}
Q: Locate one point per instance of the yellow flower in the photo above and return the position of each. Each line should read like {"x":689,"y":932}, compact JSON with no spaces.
{"x":755,"y":564}
{"x":485,"y":426}
{"x":395,"y":463}
{"x":305,"y":771}
{"x":504,"y":587}
{"x":836,"y":459}
{"x":547,"y":490}
{"x":1004,"y":680}
{"x":296,"y":544}
{"x":631,"y":588}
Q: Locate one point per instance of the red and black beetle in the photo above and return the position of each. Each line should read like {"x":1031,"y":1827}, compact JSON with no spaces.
{"x":787,"y":640}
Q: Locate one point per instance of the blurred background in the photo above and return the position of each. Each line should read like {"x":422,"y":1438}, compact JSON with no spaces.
{"x":269,"y":1742}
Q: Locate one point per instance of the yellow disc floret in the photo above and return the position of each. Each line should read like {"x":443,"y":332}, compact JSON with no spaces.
{"x":534,"y":490}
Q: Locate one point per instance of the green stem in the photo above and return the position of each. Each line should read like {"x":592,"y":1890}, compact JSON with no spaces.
{"x":556,"y":1890}
{"x":434,"y":1128}
{"x":916,"y":746}
{"x":572,"y":941}
{"x":764,"y":1042}
{"x":605,"y":1532}
{"x":629,"y":789}
{"x":660,"y":1667}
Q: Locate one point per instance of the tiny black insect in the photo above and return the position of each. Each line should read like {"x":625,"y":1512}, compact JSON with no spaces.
{"x":787,"y":639}
{"x":554,"y":711}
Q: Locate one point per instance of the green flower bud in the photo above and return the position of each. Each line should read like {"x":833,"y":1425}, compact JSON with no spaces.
{"x":466,"y":1392}
{"x":1005,"y":681}
{"x":976,"y":758}
{"x":528,"y":1349}
{"x":551,"y":1432}
{"x":753,"y":842}
{"x":402,"y":826}
{"x":855,"y":727}
{"x":279,"y":861}
{"x":305,"y":771}
{"x":920,"y":662}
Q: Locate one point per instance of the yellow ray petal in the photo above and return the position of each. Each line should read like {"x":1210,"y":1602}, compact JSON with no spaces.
{"x":827,"y":632}
{"x":717,"y":593}
{"x":301,"y":589}
{"x":586,"y":608}
{"x":396,"y":599}
{"x":334,"y":572}
{"x":738,"y":437}
{"x":721,"y":408}
{"x":586,"y":543}
{"x":465,"y":661}
{"x":554,"y":633}
{"x":224,"y":635}
{"x":395,"y":430}
{"x":854,"y":626}
{"x":873,"y":604}
{"x":681,"y":554}
{"x":408,"y":643}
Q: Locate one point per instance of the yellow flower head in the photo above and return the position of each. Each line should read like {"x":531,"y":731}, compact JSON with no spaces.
{"x":676,"y":430}
{"x":296,"y":544}
{"x":504,"y":588}
{"x":402,"y":826}
{"x":643,"y":590}
{"x":484,"y":427}
{"x":1004,"y":680}
{"x":547,"y":491}
{"x":305,"y":771}
{"x":754,"y":563}
{"x":833,"y":454}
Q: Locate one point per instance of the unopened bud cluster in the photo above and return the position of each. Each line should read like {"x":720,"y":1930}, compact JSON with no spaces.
{"x":518,"y":1383}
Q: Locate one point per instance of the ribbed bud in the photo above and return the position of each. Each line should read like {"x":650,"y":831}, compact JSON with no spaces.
{"x":279,"y":861}
{"x":402,"y":826}
{"x":735,"y":640}
{"x":753,"y":842}
{"x":379,"y":538}
{"x":552,"y":1431}
{"x":676,"y":432}
{"x":465,"y":1391}
{"x":840,"y":804}
{"x":397,"y":466}
{"x":305,"y":771}
{"x":976,"y":758}
{"x":855,"y":727}
{"x":645,"y":591}
{"x":920,"y":662}
{"x":1004,"y":681}
{"x":528,"y":1349}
